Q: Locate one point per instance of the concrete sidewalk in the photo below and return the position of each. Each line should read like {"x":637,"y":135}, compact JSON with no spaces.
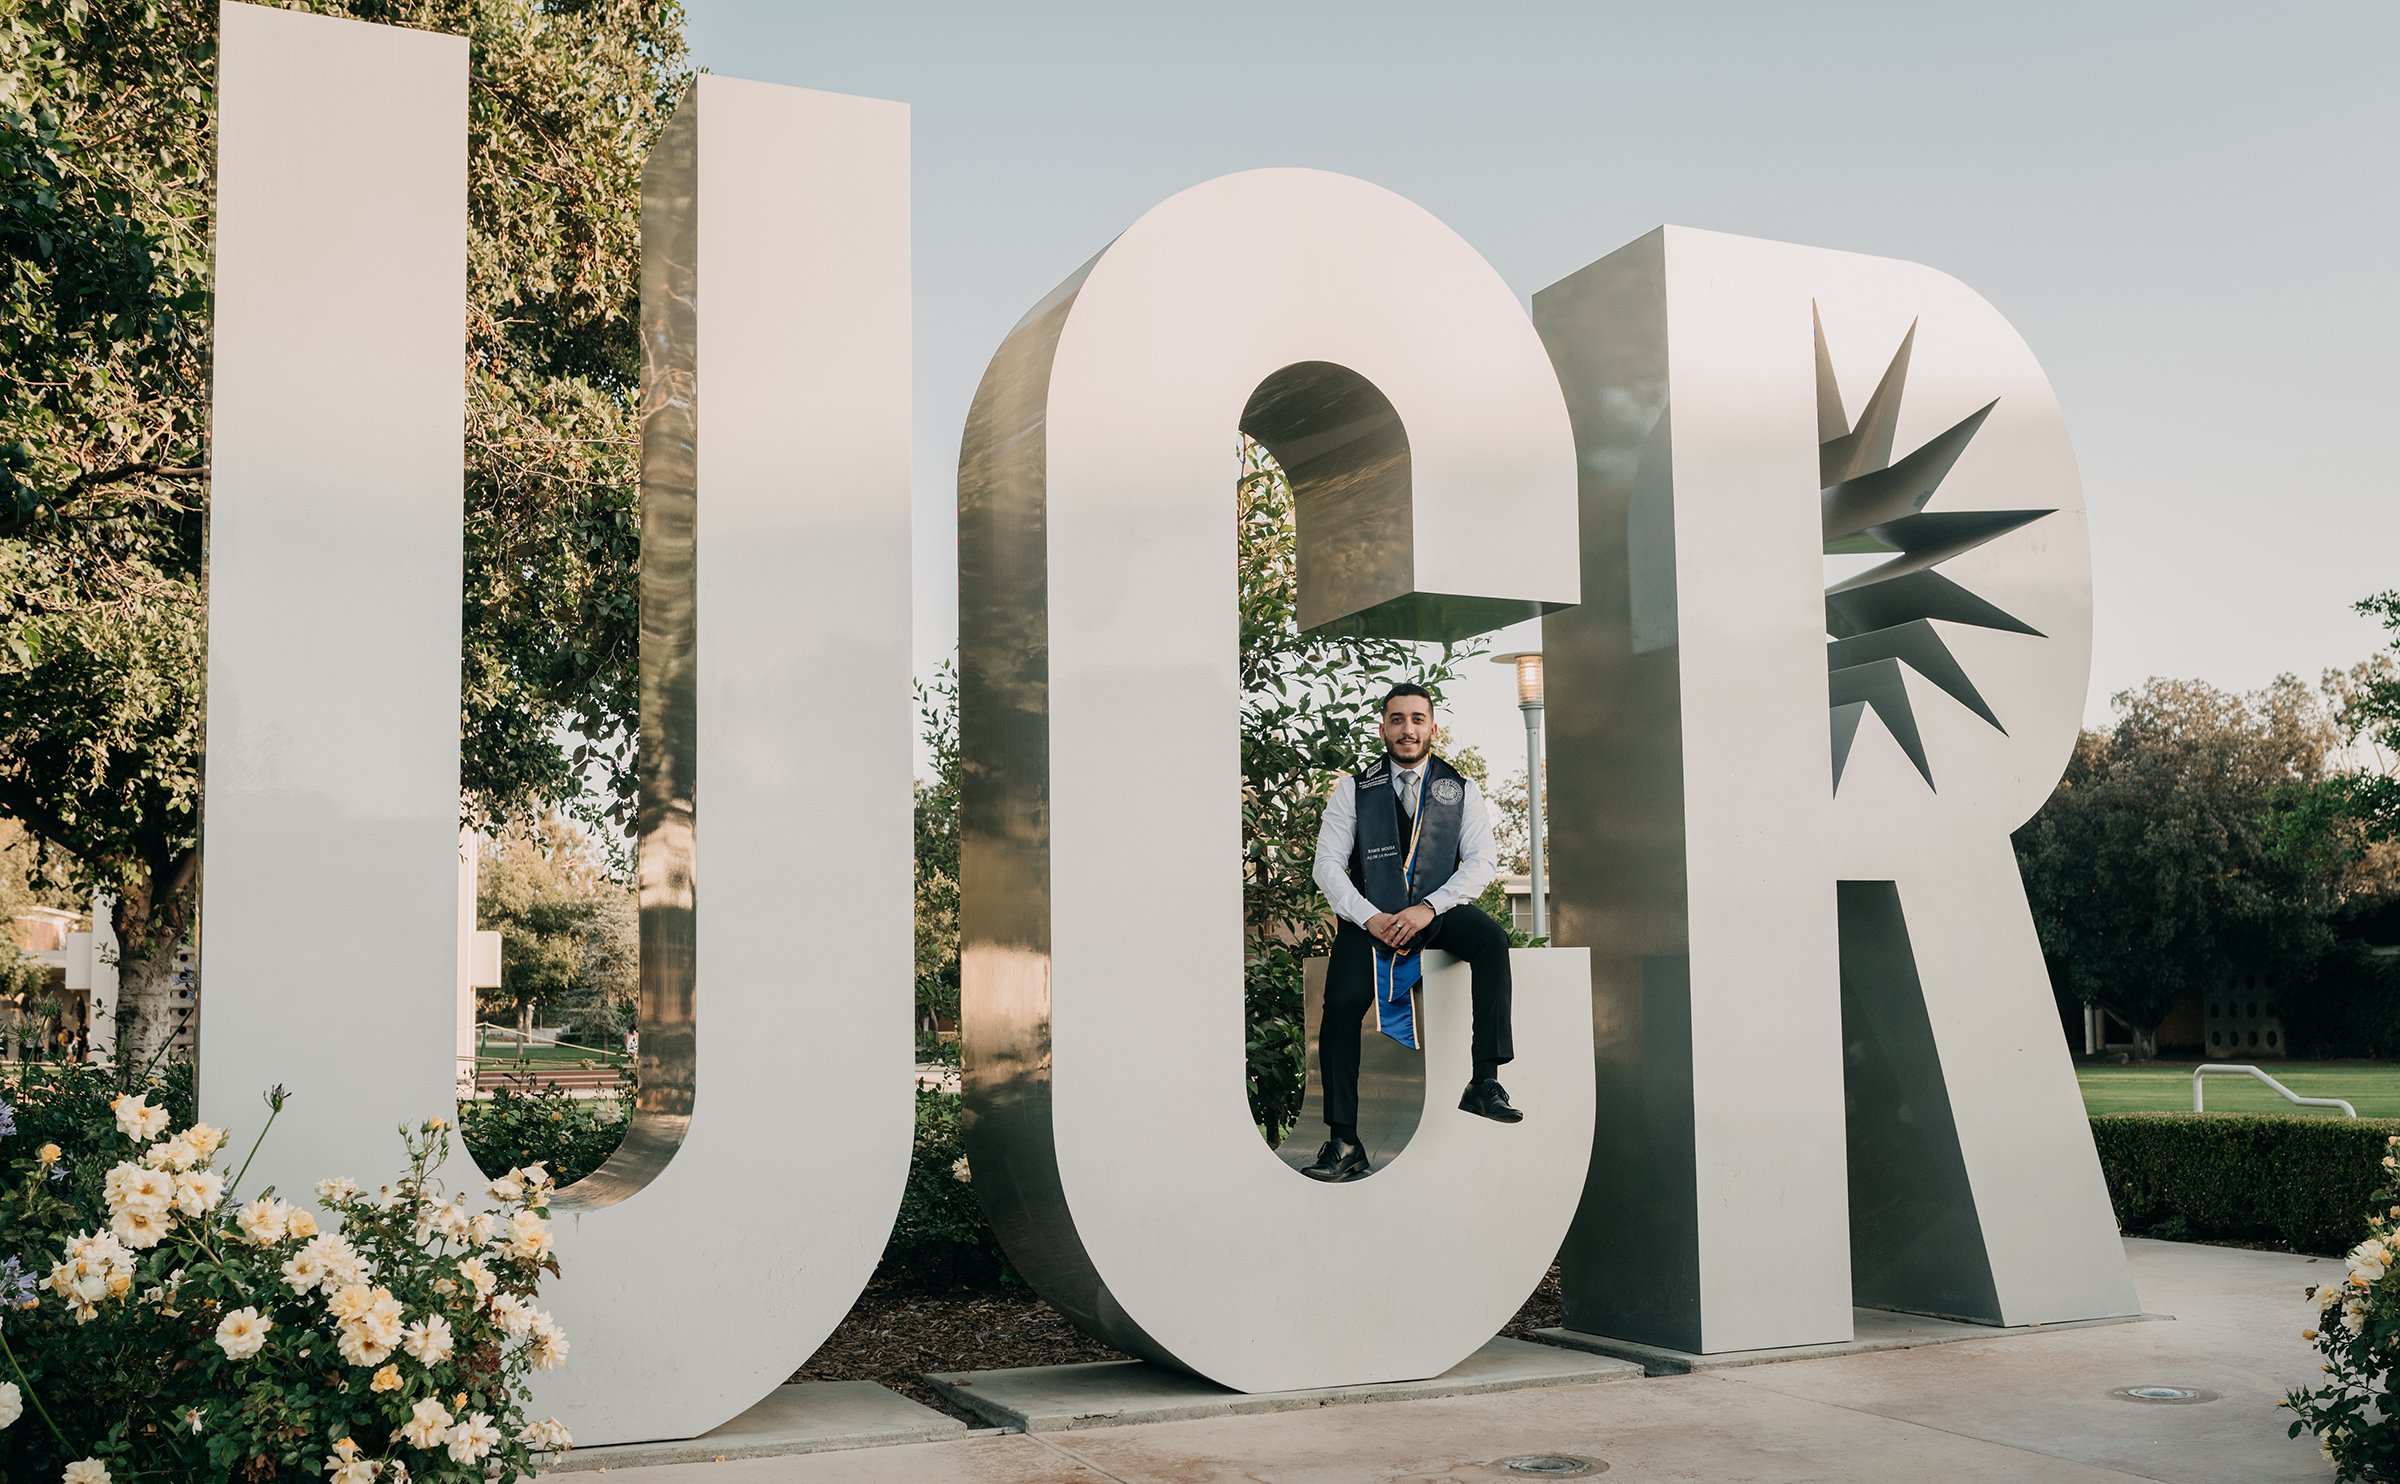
{"x":2023,"y":1407}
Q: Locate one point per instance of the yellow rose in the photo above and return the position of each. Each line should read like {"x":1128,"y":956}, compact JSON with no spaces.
{"x":49,"y":1154}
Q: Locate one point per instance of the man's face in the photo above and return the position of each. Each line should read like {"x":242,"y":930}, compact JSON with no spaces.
{"x":1408,"y":730}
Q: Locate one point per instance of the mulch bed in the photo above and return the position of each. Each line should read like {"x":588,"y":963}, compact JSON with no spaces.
{"x":896,"y":1334}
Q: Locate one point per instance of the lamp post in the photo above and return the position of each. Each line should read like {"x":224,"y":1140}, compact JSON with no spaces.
{"x":1529,"y":701}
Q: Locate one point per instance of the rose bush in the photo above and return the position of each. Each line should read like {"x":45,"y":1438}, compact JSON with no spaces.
{"x":155,"y":1326}
{"x":2357,"y":1330}
{"x":526,"y":1120}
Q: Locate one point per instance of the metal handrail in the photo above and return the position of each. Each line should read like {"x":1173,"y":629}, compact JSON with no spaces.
{"x":2289,"y":1095}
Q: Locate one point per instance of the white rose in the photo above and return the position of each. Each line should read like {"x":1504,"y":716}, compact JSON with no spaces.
{"x":360,"y":1348}
{"x":12,"y":1403}
{"x":427,"y":1427}
{"x":473,"y":1438}
{"x":382,"y":1319}
{"x":90,"y":1470}
{"x":141,"y":1230}
{"x":133,"y":1188}
{"x":549,"y":1347}
{"x":303,"y":1270}
{"x":343,"y":1265}
{"x":137,"y":1121}
{"x":263,"y":1221}
{"x":172,"y":1154}
{"x":199,"y":1192}
{"x":349,"y":1302}
{"x":243,"y":1333}
{"x":429,"y":1340}
{"x":528,"y":1237}
{"x":513,"y":1315}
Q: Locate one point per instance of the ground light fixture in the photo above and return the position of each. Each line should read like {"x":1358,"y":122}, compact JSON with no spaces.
{"x":2172,"y":1396}
{"x":1529,"y":701}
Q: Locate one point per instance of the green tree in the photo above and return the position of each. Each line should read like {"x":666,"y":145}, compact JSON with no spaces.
{"x":2203,"y":834}
{"x":937,"y":847}
{"x":1512,"y":814}
{"x":106,"y":198}
{"x":28,"y":1010}
{"x":569,"y":933}
{"x":2368,"y":700}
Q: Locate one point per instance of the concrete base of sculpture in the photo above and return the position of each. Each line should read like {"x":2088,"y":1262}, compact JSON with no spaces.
{"x":1871,"y":1329}
{"x":1059,"y":1398}
{"x":807,"y":1417}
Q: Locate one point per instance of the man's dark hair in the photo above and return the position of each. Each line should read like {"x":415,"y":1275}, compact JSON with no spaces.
{"x":1404,"y":688}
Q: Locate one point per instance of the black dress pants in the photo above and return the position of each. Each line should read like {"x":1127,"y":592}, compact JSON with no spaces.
{"x":1463,"y":931}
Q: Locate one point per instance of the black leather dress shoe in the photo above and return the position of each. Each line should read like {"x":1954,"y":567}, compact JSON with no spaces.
{"x":1486,"y":1098}
{"x":1338,"y":1161}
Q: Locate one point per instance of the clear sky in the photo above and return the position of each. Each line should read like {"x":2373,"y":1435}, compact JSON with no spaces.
{"x":2190,"y":210}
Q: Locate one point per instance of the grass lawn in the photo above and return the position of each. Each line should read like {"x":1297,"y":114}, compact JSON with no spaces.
{"x":2162,"y":1087}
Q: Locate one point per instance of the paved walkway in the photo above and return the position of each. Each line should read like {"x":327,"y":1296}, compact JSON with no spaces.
{"x":2021,"y":1409}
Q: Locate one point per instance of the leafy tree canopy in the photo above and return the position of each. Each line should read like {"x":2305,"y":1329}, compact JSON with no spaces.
{"x":570,"y":940}
{"x":2367,"y":701}
{"x":2205,"y":832}
{"x":107,"y":152}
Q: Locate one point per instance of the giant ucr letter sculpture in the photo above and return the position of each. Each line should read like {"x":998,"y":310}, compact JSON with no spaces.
{"x":1781,"y":806}
{"x":721,"y":1243}
{"x":1400,"y":384}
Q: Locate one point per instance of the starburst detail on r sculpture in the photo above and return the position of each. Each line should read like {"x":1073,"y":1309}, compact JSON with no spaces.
{"x":1884,"y":618}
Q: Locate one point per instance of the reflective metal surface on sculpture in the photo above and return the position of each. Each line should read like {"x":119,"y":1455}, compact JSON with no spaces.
{"x":1397,"y":380}
{"x":1781,"y":805}
{"x":728,"y":1236}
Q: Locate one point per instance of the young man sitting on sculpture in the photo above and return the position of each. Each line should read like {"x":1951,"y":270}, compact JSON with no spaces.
{"x":1405,"y":849}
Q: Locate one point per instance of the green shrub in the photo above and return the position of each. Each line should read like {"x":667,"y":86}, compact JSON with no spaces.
{"x":164,"y":1325}
{"x":2357,"y":1330}
{"x":66,"y":1103}
{"x":2303,"y":1182}
{"x":940,"y":1239}
{"x":528,"y":1122}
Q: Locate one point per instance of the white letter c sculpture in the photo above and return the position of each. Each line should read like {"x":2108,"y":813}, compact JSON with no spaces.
{"x":1402,"y":386}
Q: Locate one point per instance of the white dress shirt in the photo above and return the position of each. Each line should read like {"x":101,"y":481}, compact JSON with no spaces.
{"x":1478,"y":857}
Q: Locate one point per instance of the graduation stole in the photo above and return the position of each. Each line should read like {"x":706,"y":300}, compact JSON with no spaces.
{"x":1394,"y":874}
{"x":1397,"y":974}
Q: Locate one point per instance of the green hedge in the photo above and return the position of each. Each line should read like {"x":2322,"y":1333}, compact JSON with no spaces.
{"x":2305,"y":1182}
